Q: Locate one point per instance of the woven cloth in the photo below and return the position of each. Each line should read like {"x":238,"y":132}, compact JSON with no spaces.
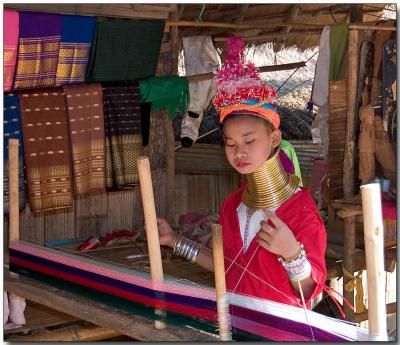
{"x":337,"y":43}
{"x":46,"y":149}
{"x":12,"y":130}
{"x":10,"y":36}
{"x":86,"y":130}
{"x":39,"y":43}
{"x":123,"y":131}
{"x":171,"y":92}
{"x":76,"y":40}
{"x":124,"y":50}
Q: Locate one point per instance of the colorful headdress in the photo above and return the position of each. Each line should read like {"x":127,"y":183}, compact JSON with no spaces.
{"x":240,"y":89}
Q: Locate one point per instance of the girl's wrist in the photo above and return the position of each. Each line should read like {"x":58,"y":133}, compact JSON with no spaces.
{"x":296,"y":253}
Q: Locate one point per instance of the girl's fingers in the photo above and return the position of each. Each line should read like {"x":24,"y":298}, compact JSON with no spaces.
{"x":275,"y":220}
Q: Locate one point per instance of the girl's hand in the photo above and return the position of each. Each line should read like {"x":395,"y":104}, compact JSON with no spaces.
{"x":167,"y":235}
{"x":279,"y":240}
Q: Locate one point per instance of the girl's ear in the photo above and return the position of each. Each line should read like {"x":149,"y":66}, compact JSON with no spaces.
{"x":276,"y":136}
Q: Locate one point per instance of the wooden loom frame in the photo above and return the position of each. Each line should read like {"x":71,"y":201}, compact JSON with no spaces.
{"x":14,"y":225}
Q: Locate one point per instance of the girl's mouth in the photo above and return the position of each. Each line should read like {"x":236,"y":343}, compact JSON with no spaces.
{"x":242,"y":164}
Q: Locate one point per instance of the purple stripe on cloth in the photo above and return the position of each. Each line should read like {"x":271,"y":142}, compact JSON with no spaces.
{"x":286,"y":162}
{"x":284,"y":324}
{"x":65,"y":268}
{"x":36,"y":24}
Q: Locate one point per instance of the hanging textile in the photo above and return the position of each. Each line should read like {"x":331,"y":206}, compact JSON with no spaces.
{"x":76,"y":40}
{"x":320,"y":90}
{"x":171,"y":92}
{"x":338,"y":43}
{"x":46,"y":149}
{"x":124,"y":50}
{"x":200,"y":57}
{"x":86,"y":130}
{"x":10,"y":37}
{"x":12,"y":130}
{"x":123,"y":132}
{"x":39,"y":43}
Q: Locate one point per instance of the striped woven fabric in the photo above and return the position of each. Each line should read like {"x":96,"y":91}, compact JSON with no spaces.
{"x":86,"y":129}
{"x":46,"y":149}
{"x":123,"y":131}
{"x":11,"y":23}
{"x":39,"y":44}
{"x":129,"y":288}
{"x":76,"y":40}
{"x":12,"y":130}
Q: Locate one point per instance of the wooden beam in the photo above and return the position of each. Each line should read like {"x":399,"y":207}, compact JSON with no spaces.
{"x":273,"y":35}
{"x":349,"y":262}
{"x":13,"y":182}
{"x":391,"y":308}
{"x":120,"y":11}
{"x":168,"y":125}
{"x":272,"y":68}
{"x":348,"y":161}
{"x":95,"y":333}
{"x":294,"y":11}
{"x":184,"y":23}
{"x":371,"y":27}
{"x":131,"y":325}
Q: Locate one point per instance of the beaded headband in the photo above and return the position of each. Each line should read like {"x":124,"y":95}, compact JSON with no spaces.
{"x":240,"y":89}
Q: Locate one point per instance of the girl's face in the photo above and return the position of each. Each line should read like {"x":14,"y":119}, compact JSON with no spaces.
{"x":248,"y":142}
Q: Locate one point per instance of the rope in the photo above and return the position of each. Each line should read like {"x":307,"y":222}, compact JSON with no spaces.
{"x":296,"y":71}
{"x":355,"y":283}
{"x":200,"y":17}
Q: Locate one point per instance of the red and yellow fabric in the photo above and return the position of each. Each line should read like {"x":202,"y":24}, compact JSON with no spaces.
{"x":11,"y":23}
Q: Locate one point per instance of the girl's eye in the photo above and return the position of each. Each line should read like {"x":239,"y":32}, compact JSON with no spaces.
{"x":251,"y":141}
{"x":229,"y":145}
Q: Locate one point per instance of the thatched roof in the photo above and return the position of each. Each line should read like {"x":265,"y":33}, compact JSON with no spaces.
{"x":287,"y":24}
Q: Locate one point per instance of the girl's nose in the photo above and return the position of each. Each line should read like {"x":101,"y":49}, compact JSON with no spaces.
{"x":240,"y":152}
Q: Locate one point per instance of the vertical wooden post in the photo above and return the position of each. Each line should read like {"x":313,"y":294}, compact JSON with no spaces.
{"x":373,"y":238}
{"x":170,"y":135}
{"x":349,"y":244}
{"x":153,"y":241}
{"x":14,"y":189}
{"x":352,"y":73}
{"x":220,"y":286}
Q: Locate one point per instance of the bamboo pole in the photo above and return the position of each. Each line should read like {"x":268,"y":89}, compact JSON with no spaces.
{"x":14,"y":189}
{"x":272,"y":68}
{"x":272,"y":35}
{"x":153,"y":241}
{"x":187,"y":23}
{"x":82,"y":334}
{"x":373,"y":238}
{"x":371,"y":27}
{"x":220,"y":287}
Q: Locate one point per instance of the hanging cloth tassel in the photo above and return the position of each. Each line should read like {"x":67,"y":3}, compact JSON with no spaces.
{"x":355,"y":283}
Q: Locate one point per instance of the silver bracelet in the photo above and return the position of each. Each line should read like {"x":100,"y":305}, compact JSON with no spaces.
{"x":186,"y":248}
{"x":299,"y":268}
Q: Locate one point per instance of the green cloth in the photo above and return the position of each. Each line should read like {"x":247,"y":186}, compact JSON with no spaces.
{"x":291,"y":153}
{"x":168,"y":91}
{"x":124,"y":49}
{"x":338,"y":39}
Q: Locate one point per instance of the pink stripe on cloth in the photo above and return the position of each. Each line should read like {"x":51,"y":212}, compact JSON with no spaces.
{"x":66,"y":259}
{"x":10,"y":40}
